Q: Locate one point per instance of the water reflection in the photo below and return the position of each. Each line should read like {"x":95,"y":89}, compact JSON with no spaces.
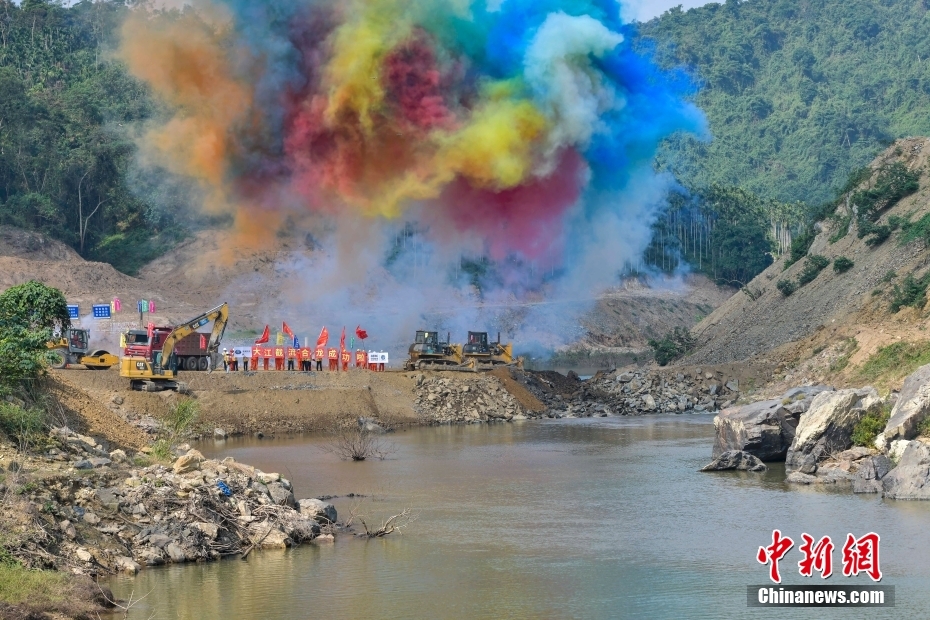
{"x":571,"y":518}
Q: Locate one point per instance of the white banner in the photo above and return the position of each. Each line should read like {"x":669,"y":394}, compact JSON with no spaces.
{"x":242,"y":351}
{"x":377,"y":357}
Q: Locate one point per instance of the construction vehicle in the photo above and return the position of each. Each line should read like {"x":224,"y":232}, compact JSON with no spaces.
{"x":428,"y":352}
{"x":73,"y":348}
{"x":192,"y":350}
{"x":481,"y":354}
{"x":160,"y":372}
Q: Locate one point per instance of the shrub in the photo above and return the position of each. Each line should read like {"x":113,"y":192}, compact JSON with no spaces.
{"x":799,"y":246}
{"x":915,"y":230}
{"x":877,"y":235}
{"x":912,"y":292}
{"x":867,"y":429}
{"x":923,"y":427}
{"x":841,"y":228}
{"x":841,"y":264}
{"x":812,"y":267}
{"x":25,"y":426}
{"x":675,"y":344}
{"x":893,"y":183}
{"x":786,"y":287}
{"x":896,"y":360}
{"x":182,"y":417}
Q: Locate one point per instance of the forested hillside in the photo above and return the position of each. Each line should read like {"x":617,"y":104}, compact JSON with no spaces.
{"x":65,"y":144}
{"x":799,"y":93}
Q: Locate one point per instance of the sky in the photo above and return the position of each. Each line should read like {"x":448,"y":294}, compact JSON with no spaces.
{"x":644,"y":10}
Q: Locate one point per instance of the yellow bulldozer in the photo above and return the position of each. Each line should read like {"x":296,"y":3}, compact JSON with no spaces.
{"x":161,"y":372}
{"x":427,"y":351}
{"x":73,"y":348}
{"x":483,"y":355}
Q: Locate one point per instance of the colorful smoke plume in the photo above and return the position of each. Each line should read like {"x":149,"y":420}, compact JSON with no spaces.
{"x":523,"y":131}
{"x":498,"y":120}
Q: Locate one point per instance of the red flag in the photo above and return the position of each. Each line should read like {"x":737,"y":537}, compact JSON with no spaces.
{"x":287,"y":330}
{"x":323,"y":339}
{"x":342,"y":339}
{"x":361,"y":333}
{"x":264,"y":337}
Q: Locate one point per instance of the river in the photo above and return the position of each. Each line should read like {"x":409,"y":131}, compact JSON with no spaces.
{"x":585,"y":518}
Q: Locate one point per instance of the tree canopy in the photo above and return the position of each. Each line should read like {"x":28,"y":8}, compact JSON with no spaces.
{"x":798,"y":94}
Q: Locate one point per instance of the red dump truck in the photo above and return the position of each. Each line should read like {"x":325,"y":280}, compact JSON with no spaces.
{"x":191,"y":350}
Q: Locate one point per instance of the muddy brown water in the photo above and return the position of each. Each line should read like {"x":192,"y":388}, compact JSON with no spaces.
{"x":590,"y":518}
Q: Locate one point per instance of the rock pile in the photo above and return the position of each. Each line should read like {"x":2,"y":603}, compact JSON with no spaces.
{"x":121,"y":517}
{"x":465,"y":399}
{"x":821,"y":424}
{"x":636,"y":392}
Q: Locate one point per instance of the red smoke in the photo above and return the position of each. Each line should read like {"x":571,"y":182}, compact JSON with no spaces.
{"x":526,"y":219}
{"x":412,"y":81}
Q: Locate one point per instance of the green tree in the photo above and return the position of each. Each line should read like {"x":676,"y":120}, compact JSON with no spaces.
{"x":28,"y":314}
{"x":797,"y":94}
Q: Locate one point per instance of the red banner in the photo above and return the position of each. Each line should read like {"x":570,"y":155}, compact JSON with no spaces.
{"x":292,"y":353}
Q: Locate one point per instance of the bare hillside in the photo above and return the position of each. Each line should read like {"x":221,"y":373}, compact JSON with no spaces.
{"x":834,"y":305}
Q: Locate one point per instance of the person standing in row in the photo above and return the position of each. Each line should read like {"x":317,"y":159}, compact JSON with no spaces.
{"x":319,"y":353}
{"x":225,"y":360}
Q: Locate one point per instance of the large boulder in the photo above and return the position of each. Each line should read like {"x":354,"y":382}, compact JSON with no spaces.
{"x":827,"y":427}
{"x":870,"y":474}
{"x":911,"y":478}
{"x":317,"y":509}
{"x":735,"y":459}
{"x":188,"y":462}
{"x":281,"y":495}
{"x":913,"y":406}
{"x":764,"y":429}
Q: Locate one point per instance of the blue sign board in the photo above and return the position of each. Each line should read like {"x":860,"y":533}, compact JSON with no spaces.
{"x":101,"y":311}
{"x":74,"y":311}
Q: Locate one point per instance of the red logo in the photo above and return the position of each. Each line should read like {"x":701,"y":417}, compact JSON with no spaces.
{"x":819,"y":556}
{"x":859,"y":555}
{"x":773,"y":553}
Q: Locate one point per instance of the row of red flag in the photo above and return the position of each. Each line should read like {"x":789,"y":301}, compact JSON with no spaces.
{"x":320,"y":342}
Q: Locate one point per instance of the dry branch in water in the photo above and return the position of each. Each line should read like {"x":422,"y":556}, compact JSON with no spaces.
{"x":356,"y":443}
{"x":394,"y":523}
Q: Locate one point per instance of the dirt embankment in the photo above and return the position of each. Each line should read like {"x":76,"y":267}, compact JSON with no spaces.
{"x":266,"y":402}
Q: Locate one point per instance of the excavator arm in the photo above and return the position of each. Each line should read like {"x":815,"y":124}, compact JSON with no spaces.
{"x":219,"y":316}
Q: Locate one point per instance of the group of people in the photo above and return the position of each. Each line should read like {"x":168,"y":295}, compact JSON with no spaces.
{"x":305,"y":357}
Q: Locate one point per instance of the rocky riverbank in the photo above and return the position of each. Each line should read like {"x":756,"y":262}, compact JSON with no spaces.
{"x":77,"y":508}
{"x":814,"y":430}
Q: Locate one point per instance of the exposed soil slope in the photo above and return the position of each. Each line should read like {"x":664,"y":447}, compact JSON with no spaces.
{"x":834,"y":306}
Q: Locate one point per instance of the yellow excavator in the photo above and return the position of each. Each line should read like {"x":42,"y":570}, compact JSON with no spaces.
{"x":161,"y":373}
{"x":482,"y":355}
{"x":73,"y":348}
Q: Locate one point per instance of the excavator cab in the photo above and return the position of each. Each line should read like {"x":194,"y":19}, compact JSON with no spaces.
{"x":428,"y":343}
{"x":477,"y":343}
